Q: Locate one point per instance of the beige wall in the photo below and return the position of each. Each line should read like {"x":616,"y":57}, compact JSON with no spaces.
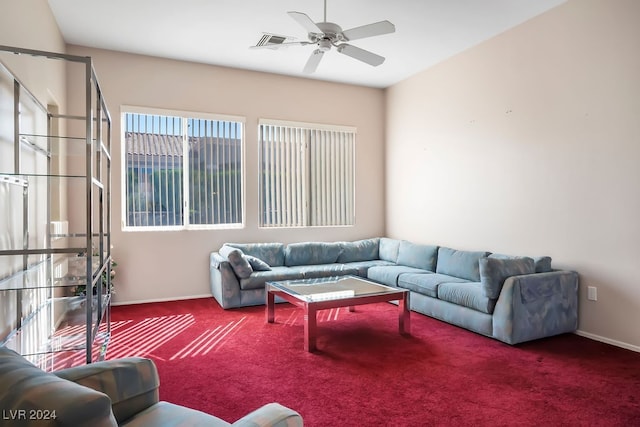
{"x":30,"y":24}
{"x":530,"y":144}
{"x":169,"y":265}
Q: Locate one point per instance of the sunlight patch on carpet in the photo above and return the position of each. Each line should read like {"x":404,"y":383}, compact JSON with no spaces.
{"x":72,"y":337}
{"x":209,"y":340}
{"x":329,"y":315}
{"x":144,"y":337}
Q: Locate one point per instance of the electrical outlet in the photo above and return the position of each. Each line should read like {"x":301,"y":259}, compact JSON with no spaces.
{"x":592,"y":293}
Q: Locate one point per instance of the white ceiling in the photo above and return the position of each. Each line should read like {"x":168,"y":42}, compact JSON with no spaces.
{"x":220,"y":31}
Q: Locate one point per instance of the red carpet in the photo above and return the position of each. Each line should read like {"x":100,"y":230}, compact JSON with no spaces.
{"x":230,"y":362}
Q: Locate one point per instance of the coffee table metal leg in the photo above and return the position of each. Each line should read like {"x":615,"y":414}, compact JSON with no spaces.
{"x":270,"y":307}
{"x":404,"y":315}
{"x":310,"y":329}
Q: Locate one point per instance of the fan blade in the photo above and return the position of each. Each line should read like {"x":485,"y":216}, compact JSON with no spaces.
{"x":313,"y":61}
{"x":306,"y":22}
{"x":369,"y":30}
{"x":361,"y":54}
{"x":279,"y":45}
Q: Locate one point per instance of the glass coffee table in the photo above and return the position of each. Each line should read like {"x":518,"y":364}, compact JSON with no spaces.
{"x":332,"y":292}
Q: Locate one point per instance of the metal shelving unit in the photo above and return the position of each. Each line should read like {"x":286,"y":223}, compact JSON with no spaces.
{"x":55,"y":221}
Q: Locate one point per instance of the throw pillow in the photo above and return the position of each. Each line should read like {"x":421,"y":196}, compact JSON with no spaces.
{"x":239,"y":263}
{"x":226,"y":249}
{"x":271,"y":253}
{"x":257,"y":264}
{"x":494,"y":271}
{"x":543,"y":264}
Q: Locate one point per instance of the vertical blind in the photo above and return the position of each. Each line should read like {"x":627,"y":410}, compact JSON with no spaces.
{"x":307,"y":175}
{"x":215,"y":178}
{"x":182,"y":171}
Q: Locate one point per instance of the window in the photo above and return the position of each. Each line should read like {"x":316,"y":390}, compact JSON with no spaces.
{"x":182,"y":171}
{"x":307,"y":174}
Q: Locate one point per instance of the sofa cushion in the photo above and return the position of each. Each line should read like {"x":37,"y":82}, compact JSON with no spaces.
{"x":271,"y":253}
{"x":425,"y":283}
{"x":388,"y":249}
{"x":388,"y":275}
{"x":467,"y":294}
{"x":463,"y":264}
{"x":259,"y":278}
{"x":311,"y":253}
{"x":494,"y":271}
{"x":257,"y":264}
{"x":542,"y":263}
{"x":324,"y":270}
{"x":418,"y":256}
{"x":360,"y":250}
{"x":362,"y":267}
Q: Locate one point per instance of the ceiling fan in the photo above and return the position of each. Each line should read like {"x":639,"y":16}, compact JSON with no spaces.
{"x":328,"y":34}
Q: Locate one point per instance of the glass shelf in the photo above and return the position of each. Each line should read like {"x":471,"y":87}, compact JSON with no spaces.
{"x":26,"y":176}
{"x":73,"y":146}
{"x":55,"y":217}
{"x":65,"y":271}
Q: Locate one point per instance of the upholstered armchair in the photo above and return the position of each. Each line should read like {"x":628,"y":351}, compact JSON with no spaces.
{"x":109,"y":393}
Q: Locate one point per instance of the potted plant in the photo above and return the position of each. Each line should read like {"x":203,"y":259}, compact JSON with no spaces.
{"x":80,"y":290}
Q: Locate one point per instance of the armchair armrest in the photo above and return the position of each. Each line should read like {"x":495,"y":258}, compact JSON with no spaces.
{"x":271,"y":415}
{"x":131,"y":383}
{"x":32,"y":397}
{"x":536,"y":306}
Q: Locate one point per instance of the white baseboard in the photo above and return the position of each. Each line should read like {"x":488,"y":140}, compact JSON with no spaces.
{"x":145,"y":301}
{"x":608,"y":341}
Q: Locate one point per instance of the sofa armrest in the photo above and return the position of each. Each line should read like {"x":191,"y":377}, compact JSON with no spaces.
{"x":131,"y":383}
{"x":271,"y":415}
{"x":536,"y":306}
{"x":224,"y":283}
{"x":216,"y":259}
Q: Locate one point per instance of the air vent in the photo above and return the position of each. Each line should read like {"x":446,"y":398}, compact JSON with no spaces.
{"x":272,"y":40}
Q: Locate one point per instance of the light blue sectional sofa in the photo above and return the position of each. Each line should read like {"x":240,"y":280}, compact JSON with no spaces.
{"x":510,"y":298}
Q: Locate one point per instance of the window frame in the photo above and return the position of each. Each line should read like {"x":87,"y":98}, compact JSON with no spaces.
{"x":184,"y":116}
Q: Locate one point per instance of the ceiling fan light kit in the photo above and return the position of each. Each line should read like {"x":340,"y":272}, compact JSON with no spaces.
{"x":326,"y":35}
